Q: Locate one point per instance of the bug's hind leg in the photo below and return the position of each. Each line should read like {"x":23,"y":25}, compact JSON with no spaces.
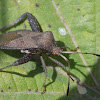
{"x":45,"y":70}
{"x":22,"y":60}
{"x":32,"y":21}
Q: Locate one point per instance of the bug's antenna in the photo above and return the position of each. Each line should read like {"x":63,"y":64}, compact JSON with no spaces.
{"x":60,"y":64}
{"x":75,"y":51}
{"x":70,"y":52}
{"x":66,"y":60}
{"x":69,"y":71}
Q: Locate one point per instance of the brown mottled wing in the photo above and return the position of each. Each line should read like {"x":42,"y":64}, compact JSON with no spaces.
{"x":20,"y":39}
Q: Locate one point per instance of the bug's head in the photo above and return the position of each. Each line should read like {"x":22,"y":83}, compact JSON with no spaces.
{"x":57,"y":51}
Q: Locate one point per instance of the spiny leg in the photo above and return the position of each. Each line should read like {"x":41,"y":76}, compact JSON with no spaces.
{"x":60,"y":64}
{"x":22,"y":60}
{"x":32,"y":21}
{"x":45,"y":70}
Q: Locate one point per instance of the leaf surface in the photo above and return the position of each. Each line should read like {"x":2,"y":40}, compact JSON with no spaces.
{"x":80,"y":20}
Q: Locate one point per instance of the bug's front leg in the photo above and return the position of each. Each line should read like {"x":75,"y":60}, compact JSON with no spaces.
{"x":22,"y":60}
{"x":32,"y":21}
{"x":45,"y":70}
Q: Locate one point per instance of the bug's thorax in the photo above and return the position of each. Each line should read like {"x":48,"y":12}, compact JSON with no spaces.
{"x":46,"y":44}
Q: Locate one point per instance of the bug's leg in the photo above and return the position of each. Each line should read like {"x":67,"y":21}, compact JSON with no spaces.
{"x":22,"y":60}
{"x":45,"y":70}
{"x":60,"y":64}
{"x":32,"y":21}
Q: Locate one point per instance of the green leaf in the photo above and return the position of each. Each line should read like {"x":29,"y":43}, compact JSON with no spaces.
{"x":80,"y":19}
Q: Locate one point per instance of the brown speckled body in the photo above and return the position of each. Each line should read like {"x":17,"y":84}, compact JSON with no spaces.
{"x":28,"y":40}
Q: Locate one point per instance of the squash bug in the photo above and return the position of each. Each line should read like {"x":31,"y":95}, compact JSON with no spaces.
{"x":34,"y":42}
